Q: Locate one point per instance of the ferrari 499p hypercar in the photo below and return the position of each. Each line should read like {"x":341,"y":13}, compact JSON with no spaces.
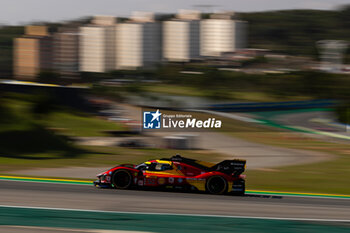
{"x":179,"y":173}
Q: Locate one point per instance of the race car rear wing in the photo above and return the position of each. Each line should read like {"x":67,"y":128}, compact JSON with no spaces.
{"x":234,"y":167}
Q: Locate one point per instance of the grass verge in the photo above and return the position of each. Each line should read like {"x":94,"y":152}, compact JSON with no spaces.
{"x":95,"y":156}
{"x":324,"y":177}
{"x":250,"y":96}
{"x":80,"y":126}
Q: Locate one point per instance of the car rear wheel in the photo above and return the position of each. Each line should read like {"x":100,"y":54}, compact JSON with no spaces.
{"x":216,"y":185}
{"x":122,"y":179}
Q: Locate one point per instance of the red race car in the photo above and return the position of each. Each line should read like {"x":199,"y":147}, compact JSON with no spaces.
{"x":179,"y":173}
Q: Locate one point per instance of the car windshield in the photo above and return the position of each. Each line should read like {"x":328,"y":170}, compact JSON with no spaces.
{"x":154,"y":167}
{"x":141,"y":166}
{"x":163,"y":167}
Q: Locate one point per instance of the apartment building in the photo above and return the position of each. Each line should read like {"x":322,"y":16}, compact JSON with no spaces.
{"x":138,"y":42}
{"x":32,"y":53}
{"x":66,"y":51}
{"x":97,"y":45}
{"x":181,"y":37}
{"x":141,"y":41}
{"x":221,"y":34}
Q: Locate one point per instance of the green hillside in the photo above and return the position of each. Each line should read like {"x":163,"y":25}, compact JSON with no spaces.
{"x":296,"y":31}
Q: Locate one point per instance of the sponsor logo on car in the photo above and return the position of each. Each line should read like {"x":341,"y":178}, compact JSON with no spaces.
{"x":161,"y":181}
{"x":195,"y":179}
{"x":140,"y":182}
{"x":150,"y":181}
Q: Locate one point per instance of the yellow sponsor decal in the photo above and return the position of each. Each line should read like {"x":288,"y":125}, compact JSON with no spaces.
{"x":161,"y":181}
{"x":198,"y":183}
{"x":229,"y":188}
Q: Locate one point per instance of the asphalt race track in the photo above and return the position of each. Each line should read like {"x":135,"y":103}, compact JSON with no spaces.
{"x":90,"y":198}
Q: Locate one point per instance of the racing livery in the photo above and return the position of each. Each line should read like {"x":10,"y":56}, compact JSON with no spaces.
{"x":178,"y":172}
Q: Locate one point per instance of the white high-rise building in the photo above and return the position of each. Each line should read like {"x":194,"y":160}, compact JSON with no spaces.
{"x":222,"y":35}
{"x":138,"y":42}
{"x":181,"y":38}
{"x":97,"y":45}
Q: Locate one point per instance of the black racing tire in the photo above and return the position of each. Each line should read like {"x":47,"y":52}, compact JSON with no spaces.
{"x":216,"y":185}
{"x":122,"y":179}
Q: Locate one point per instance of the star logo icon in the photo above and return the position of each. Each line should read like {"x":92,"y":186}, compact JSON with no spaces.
{"x":156,"y":115}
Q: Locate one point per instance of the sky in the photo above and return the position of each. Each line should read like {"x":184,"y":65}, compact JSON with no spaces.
{"x":13,"y":12}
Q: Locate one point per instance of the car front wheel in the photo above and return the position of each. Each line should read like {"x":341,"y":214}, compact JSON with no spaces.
{"x":122,"y":179}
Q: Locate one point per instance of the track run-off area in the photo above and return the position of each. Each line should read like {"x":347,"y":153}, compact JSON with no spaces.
{"x":29,"y":203}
